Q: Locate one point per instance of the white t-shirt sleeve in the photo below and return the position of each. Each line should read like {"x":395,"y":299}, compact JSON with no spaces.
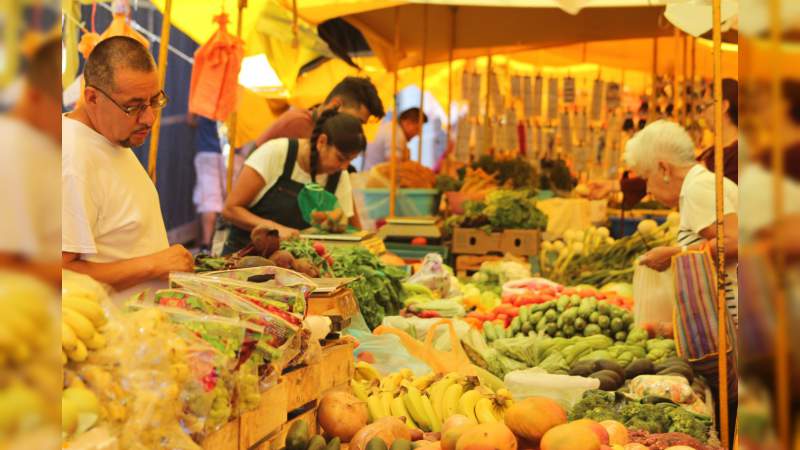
{"x":344,"y":192}
{"x":268,"y":160}
{"x":699,"y":212}
{"x":17,"y":231}
{"x":78,"y":216}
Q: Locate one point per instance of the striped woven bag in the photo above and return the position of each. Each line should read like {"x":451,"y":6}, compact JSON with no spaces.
{"x":696,"y":317}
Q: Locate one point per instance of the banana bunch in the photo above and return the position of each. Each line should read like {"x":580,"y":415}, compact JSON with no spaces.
{"x":427,"y":401}
{"x":81,"y":320}
{"x":25,"y":319}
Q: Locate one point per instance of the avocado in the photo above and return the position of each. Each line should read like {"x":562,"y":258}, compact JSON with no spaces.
{"x":401,"y":444}
{"x":583,"y":368}
{"x":317,"y":442}
{"x":610,"y":364}
{"x":609,"y":380}
{"x":297,"y":438}
{"x":376,"y":443}
{"x":641,"y":366}
{"x":334,"y":444}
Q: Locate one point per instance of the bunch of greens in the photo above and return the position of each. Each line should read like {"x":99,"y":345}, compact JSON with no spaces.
{"x":446,"y":183}
{"x":501,"y":210}
{"x":304,"y":248}
{"x":653,"y":415}
{"x":556,"y":175}
{"x":378,"y":288}
{"x":517,"y":173}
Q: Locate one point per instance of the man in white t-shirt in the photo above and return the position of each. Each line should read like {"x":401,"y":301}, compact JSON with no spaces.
{"x":29,"y":237}
{"x":112,"y":224}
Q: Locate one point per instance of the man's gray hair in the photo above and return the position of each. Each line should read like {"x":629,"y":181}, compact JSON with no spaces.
{"x":662,"y":140}
{"x":117,"y":52}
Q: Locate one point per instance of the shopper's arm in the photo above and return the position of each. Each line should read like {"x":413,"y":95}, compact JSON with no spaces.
{"x":47,"y":272}
{"x":130,"y":272}
{"x":730,"y":240}
{"x":243,"y":192}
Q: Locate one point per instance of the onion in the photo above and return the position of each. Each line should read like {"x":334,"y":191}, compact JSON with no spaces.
{"x":342,"y":415}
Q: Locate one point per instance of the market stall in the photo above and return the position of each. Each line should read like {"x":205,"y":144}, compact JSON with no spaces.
{"x":537,"y":337}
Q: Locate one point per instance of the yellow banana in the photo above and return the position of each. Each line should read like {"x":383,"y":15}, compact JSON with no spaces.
{"x":69,"y":340}
{"x":398,"y":409}
{"x":375,"y":407}
{"x":386,"y":402}
{"x":436,"y":422}
{"x":365,"y":371}
{"x":81,"y":325}
{"x":406,"y":373}
{"x":359,"y":389}
{"x":20,"y":352}
{"x":64,"y":359}
{"x":87,"y":308}
{"x":422,"y":383}
{"x":505,"y":393}
{"x":80,"y":353}
{"x":413,"y":401}
{"x":484,"y":411}
{"x":437,"y":391}
{"x":19,"y":325}
{"x":466,"y":404}
{"x":97,"y":342}
{"x":391,"y":382}
{"x":450,"y":400}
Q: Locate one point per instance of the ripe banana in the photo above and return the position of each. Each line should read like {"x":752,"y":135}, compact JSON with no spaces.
{"x":436,"y":422}
{"x":422,"y":383}
{"x":81,"y":325}
{"x":391,"y":382}
{"x":466,"y":404}
{"x":504,"y":393}
{"x":386,"y":402}
{"x":375,"y":408}
{"x":64,"y":358}
{"x":450,"y":400}
{"x":97,"y":342}
{"x":359,"y":390}
{"x":484,"y":411}
{"x":413,"y":401}
{"x":69,"y":340}
{"x":406,"y":373}
{"x":87,"y":308}
{"x":80,"y":353}
{"x":365,"y":372}
{"x":398,"y":409}
{"x":436,"y":393}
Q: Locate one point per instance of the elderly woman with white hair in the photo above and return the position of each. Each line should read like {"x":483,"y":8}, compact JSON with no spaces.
{"x":664,"y":154}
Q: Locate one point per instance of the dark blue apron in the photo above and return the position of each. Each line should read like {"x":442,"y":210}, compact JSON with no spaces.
{"x":279,"y":203}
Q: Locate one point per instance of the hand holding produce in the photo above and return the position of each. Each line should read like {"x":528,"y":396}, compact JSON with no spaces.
{"x":659,"y":258}
{"x":329,"y":221}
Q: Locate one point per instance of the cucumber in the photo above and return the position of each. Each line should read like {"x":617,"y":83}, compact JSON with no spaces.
{"x":297,"y":438}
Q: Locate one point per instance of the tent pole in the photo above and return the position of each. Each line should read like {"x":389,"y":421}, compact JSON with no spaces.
{"x":685,"y":86}
{"x":393,"y":153}
{"x":450,"y":72}
{"x":782,"y":361}
{"x":487,"y":129}
{"x":163,"y":52}
{"x":422,"y":81}
{"x":654,"y":96}
{"x":234,"y":115}
{"x":677,"y":41}
{"x":722,"y":307}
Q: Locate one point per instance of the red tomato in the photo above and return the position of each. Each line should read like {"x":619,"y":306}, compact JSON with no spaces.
{"x":559,"y":288}
{"x":508,"y":299}
{"x":518,"y":301}
{"x":513,"y":312}
{"x":585,"y":293}
{"x":491,"y":315}
{"x":502,"y":316}
{"x":547,"y":291}
{"x":568,"y":291}
{"x":419,"y":240}
{"x":546,"y":298}
{"x":599,"y":295}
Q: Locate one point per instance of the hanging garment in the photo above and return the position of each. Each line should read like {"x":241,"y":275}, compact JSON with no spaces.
{"x":597,"y":100}
{"x":537,"y":97}
{"x":215,"y":74}
{"x":552,"y":99}
{"x":613,"y":96}
{"x":566,"y":134}
{"x":527,"y":97}
{"x":569,"y":90}
{"x":120,"y":26}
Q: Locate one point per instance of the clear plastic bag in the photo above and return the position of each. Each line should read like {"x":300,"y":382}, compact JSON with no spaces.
{"x":433,"y":275}
{"x":418,"y":327}
{"x":565,"y":389}
{"x":390,"y":354}
{"x":654,"y":296}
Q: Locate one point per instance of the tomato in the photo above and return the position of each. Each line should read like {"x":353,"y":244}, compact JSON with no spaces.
{"x":508,"y":299}
{"x":513,"y":312}
{"x":600,"y":296}
{"x":568,"y":291}
{"x":419,"y":240}
{"x":586,"y":293}
{"x":546,"y":298}
{"x":502,"y":316}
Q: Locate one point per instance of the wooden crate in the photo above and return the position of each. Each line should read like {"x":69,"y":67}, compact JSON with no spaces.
{"x":341,"y":303}
{"x":337,"y":364}
{"x":467,"y":264}
{"x":473,"y":241}
{"x":302,"y":385}
{"x":226,"y":438}
{"x":520,"y":242}
{"x":268,"y":418}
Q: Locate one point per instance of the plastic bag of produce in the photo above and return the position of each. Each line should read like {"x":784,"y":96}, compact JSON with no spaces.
{"x":565,"y":389}
{"x":269,"y":276}
{"x":390,"y":354}
{"x":675,"y":388}
{"x":654,"y":296}
{"x":419,"y":327}
{"x":434,"y":275}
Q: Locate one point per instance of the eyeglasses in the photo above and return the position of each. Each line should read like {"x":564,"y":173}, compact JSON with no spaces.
{"x":158,"y":102}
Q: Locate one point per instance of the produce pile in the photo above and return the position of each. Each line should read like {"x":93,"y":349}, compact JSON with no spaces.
{"x":650,"y":414}
{"x":410,"y":174}
{"x":378,"y":288}
{"x":501,"y":210}
{"x":476,"y":181}
{"x":556,"y":176}
{"x":428,"y":401}
{"x":509,"y":172}
{"x":596,"y":259}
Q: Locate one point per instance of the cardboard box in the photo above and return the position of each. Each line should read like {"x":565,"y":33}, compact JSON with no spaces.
{"x":521,"y":242}
{"x":472,"y":241}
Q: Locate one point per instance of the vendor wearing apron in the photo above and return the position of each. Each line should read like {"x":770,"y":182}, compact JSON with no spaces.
{"x":267,"y":189}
